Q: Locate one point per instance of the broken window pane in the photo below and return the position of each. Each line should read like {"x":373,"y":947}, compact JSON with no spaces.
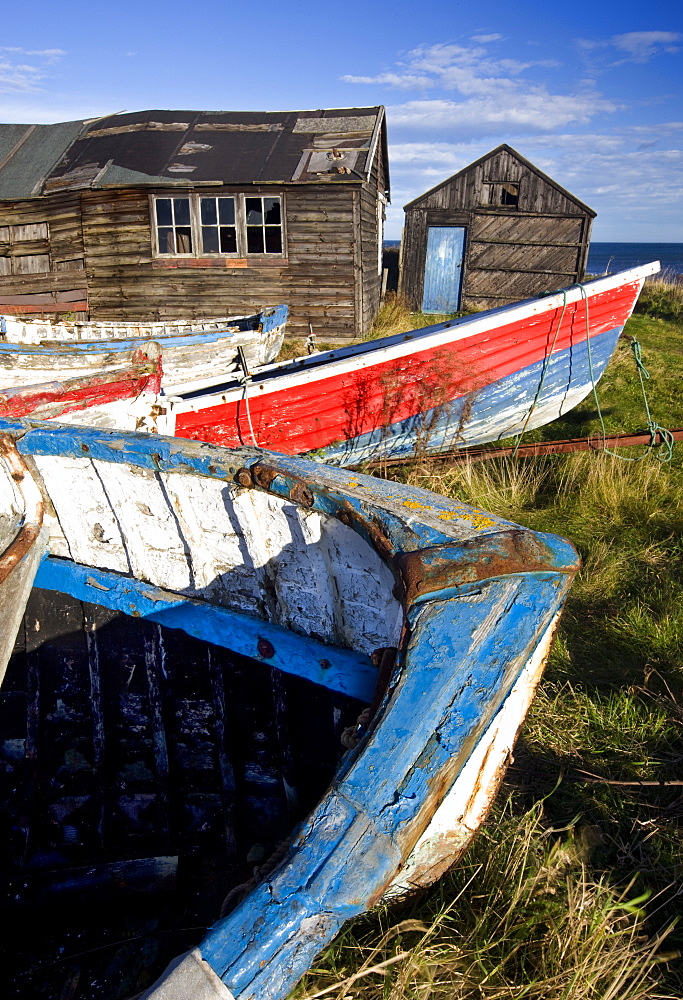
{"x":228,"y":239}
{"x":254,"y":210}
{"x":272,"y":211}
{"x":509,"y":194}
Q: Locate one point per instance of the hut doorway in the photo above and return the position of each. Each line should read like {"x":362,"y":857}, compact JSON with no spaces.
{"x":443,"y":269}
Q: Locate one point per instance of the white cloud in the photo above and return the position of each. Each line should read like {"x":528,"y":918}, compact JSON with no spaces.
{"x":642,"y":45}
{"x":402,"y":81}
{"x":19,"y":78}
{"x":634,"y":46}
{"x":636,"y":192}
{"x":507,"y":108}
{"x":22,"y":77}
{"x":493,"y":92}
{"x":463,"y":68}
{"x":462,"y":100}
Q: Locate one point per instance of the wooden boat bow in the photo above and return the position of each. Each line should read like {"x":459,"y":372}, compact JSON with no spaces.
{"x":479,"y":598}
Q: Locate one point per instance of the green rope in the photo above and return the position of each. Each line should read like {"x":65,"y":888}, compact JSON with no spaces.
{"x":544,"y":372}
{"x":665,"y":449}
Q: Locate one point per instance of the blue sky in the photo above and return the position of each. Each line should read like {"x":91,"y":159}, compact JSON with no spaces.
{"x":590,"y":92}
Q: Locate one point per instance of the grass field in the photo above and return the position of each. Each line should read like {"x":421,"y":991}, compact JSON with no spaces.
{"x":572,"y":889}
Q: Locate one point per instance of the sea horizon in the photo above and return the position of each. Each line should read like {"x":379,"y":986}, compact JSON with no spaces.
{"x":608,"y":257}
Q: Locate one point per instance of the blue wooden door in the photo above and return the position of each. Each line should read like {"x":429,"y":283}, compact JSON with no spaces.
{"x":443,"y":269}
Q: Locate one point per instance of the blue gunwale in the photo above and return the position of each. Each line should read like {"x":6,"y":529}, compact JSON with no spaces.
{"x":402,"y":519}
{"x":337,"y":669}
{"x":267,"y":320}
{"x":479,"y":593}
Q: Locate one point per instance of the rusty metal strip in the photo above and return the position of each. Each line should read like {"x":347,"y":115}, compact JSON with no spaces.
{"x":34,"y":508}
{"x":595,"y":443}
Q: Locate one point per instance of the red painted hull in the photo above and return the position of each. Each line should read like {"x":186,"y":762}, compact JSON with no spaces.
{"x":338,"y":402}
{"x":54,"y":399}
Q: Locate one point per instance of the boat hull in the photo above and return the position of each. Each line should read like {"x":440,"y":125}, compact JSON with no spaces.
{"x":431,"y":613}
{"x":188,"y":352}
{"x":23,"y":541}
{"x":455,"y":385}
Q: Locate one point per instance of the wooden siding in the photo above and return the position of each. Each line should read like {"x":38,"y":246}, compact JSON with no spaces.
{"x":47,"y":273}
{"x":512,"y":251}
{"x":316,"y":278}
{"x":100,"y":246}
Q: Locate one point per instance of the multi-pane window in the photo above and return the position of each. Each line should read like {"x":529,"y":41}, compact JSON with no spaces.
{"x":174,"y":226}
{"x":229,"y":225}
{"x":264,"y":225}
{"x":219,"y":231}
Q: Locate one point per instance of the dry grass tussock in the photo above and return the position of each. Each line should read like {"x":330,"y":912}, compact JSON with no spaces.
{"x":601,"y":488}
{"x":523,"y":919}
{"x":662,"y":297}
{"x":395,"y":316}
{"x":624,"y":517}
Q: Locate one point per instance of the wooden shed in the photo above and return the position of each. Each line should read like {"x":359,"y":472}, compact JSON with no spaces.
{"x":190,"y":214}
{"x":498,"y":231}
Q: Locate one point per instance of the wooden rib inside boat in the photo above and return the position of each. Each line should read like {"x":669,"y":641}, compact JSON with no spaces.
{"x":209,"y":624}
{"x":145,"y":774}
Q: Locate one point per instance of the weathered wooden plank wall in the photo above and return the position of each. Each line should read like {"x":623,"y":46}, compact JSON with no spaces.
{"x":512,"y":251}
{"x":100,"y":243}
{"x":46,"y":274}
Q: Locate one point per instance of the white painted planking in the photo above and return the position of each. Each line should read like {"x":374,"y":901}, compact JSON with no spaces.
{"x":210,"y":515}
{"x":84,"y":512}
{"x":367,"y":615}
{"x":240,"y":548}
{"x":157,"y":550}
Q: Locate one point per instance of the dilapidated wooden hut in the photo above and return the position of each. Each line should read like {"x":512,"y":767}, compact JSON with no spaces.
{"x":498,"y":231}
{"x":190,"y":214}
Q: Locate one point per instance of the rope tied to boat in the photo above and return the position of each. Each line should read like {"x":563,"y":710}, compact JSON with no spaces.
{"x":667,"y":438}
{"x":664,"y":446}
{"x":544,"y":372}
{"x":245,"y":380}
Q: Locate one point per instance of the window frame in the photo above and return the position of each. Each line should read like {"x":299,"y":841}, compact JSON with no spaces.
{"x":496,"y":188}
{"x":241,"y":253}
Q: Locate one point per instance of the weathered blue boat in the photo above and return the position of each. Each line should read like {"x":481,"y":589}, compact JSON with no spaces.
{"x":329,"y":606}
{"x":32,"y":351}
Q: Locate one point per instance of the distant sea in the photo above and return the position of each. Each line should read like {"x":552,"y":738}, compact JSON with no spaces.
{"x":612,"y":257}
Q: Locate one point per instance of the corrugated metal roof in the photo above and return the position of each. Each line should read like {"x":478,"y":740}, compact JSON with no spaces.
{"x":188,"y":147}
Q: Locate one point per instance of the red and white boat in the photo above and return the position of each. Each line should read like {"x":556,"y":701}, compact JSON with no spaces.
{"x":461,"y":383}
{"x":49,"y":400}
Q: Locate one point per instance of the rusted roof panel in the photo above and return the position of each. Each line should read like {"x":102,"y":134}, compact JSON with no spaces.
{"x":189,"y":147}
